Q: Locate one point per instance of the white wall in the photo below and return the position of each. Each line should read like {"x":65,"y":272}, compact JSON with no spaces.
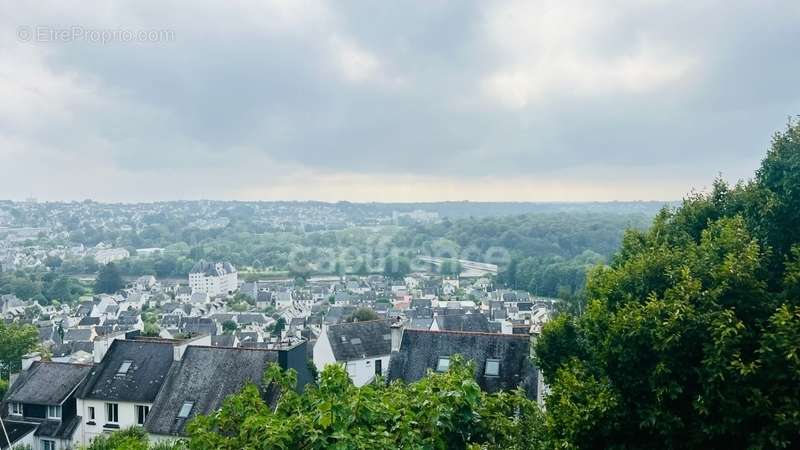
{"x":362,"y":371}
{"x":86,"y":432}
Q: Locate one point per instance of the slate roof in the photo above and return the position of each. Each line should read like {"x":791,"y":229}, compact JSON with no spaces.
{"x":359,"y":340}
{"x":150,"y":363}
{"x":205,"y":376}
{"x":223,"y":340}
{"x":60,"y":350}
{"x":198,"y":325}
{"x":47,"y":383}
{"x":89,"y":321}
{"x":477,"y":323}
{"x":210,"y":268}
{"x":16,"y":431}
{"x":57,"y":429}
{"x":420,"y":351}
{"x":250,"y":318}
{"x":76,"y":334}
{"x":421,"y":323}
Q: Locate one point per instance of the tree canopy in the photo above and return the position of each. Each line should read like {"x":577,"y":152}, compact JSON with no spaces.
{"x":109,"y":280}
{"x":691,"y":337}
{"x":15,"y":341}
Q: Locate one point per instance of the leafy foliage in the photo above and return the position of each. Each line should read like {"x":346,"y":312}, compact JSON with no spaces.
{"x":15,"y":341}
{"x":362,"y":315}
{"x":441,"y":411}
{"x":691,"y":338}
{"x":109,"y":280}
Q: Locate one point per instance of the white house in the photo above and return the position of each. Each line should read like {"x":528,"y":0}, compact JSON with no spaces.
{"x":363,"y":348}
{"x":213,"y":278}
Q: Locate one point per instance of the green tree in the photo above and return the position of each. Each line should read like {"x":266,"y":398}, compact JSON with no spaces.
{"x":109,"y":280}
{"x":16,"y":340}
{"x":362,"y":315}
{"x":441,"y":411}
{"x":280,"y":325}
{"x":229,"y":327}
{"x":450,"y":267}
{"x":691,"y":336}
{"x":396,"y":267}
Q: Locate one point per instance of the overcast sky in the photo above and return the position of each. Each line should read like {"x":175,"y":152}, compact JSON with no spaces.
{"x":390,"y":101}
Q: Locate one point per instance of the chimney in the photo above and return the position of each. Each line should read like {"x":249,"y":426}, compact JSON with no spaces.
{"x":397,"y":334}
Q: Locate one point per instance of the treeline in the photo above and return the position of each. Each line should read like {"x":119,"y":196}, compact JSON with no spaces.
{"x":42,"y":285}
{"x":549,"y":254}
{"x":691,"y":338}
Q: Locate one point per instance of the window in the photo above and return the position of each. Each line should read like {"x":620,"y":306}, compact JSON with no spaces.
{"x":48,"y":444}
{"x":112,"y":412}
{"x":186,"y":409}
{"x":443,"y":364}
{"x":91,"y":413}
{"x":15,"y":409}
{"x":378,"y":367}
{"x":141,"y":414}
{"x":124,"y":367}
{"x":54,"y":412}
{"x":492,"y":368}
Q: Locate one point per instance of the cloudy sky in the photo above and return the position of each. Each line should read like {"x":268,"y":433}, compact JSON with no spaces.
{"x":390,"y":101}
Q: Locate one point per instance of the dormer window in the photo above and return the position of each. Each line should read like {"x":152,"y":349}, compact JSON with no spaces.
{"x":186,"y":409}
{"x":124,"y":367}
{"x":443,"y":364}
{"x":15,"y":409}
{"x":54,"y":412}
{"x":492,"y":368}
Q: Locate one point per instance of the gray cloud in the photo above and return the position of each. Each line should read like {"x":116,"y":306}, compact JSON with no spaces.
{"x":291,"y":98}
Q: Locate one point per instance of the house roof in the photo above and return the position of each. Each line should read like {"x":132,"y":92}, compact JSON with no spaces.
{"x":421,"y":323}
{"x":150,"y":362}
{"x":420,"y":351}
{"x":16,"y":431}
{"x":205,"y":376}
{"x":78,"y":334}
{"x":88,"y":321}
{"x":57,"y":429}
{"x":359,"y":340}
{"x":212,"y":269}
{"x":477,"y":323}
{"x":47,"y":383}
{"x":223,"y":340}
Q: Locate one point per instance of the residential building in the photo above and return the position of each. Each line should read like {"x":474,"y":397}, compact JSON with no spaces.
{"x":502,"y":361}
{"x":42,"y":401}
{"x":205,"y":376}
{"x":363,"y":348}
{"x":213,"y":278}
{"x":121,"y":389}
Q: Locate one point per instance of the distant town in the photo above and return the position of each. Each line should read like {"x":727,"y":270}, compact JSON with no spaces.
{"x":120,"y":350}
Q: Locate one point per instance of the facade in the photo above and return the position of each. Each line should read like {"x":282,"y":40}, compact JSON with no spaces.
{"x":107,"y":255}
{"x":213,"y":278}
{"x":41,"y":405}
{"x":120,"y":390}
{"x":363,"y":348}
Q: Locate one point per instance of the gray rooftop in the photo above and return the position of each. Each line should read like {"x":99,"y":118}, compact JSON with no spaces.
{"x":205,"y":376}
{"x":150,"y":362}
{"x":420,"y":352}
{"x":47,"y":383}
{"x":359,"y":340}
